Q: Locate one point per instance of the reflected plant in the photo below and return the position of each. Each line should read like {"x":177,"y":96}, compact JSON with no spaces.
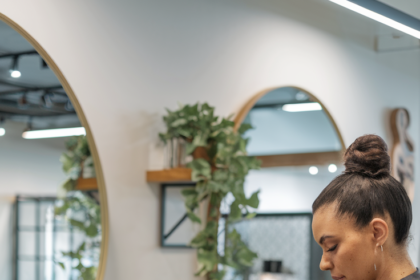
{"x":219,"y":168}
{"x":80,"y":210}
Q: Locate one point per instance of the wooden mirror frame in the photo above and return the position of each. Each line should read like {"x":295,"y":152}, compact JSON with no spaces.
{"x":319,"y":158}
{"x":98,"y":168}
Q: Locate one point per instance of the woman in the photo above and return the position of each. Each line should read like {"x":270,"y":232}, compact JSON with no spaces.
{"x":363,"y":217}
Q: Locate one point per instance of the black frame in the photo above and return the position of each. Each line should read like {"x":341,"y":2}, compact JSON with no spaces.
{"x":38,"y":229}
{"x":163,"y":237}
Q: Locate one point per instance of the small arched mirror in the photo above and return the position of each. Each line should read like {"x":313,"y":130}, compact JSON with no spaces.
{"x":291,"y":128}
{"x":301,"y":151}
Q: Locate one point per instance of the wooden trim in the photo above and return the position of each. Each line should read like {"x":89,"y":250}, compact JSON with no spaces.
{"x":169,"y":175}
{"x":87,"y":184}
{"x":98,"y":167}
{"x":322,"y":158}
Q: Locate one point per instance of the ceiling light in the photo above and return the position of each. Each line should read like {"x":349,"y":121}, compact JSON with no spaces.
{"x":54,"y":133}
{"x":332,"y":168}
{"x":14,"y":72}
{"x":313,"y":170}
{"x":378,"y":17}
{"x":302,"y":107}
{"x":2,"y":131}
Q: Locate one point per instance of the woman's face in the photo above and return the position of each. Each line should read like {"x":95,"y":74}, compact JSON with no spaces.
{"x":348,"y":252}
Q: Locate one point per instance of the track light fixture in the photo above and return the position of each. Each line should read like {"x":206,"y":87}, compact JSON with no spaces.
{"x":23,"y":101}
{"x":69,"y":106}
{"x":14,"y":72}
{"x":2,"y":130}
{"x":46,"y":99}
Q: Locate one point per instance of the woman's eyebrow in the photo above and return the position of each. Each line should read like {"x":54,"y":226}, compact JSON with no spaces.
{"x":322,"y":239}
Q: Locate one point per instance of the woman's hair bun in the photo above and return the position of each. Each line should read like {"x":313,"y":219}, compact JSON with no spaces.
{"x":368,"y":155}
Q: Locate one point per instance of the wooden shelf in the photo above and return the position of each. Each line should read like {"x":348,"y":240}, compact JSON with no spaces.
{"x":169,"y":175}
{"x":87,"y":184}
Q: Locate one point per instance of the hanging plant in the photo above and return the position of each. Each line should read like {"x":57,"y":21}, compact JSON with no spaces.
{"x":219,"y":167}
{"x":80,"y":210}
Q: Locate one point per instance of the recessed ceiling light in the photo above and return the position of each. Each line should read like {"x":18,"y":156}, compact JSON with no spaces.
{"x":313,"y":170}
{"x":2,"y":131}
{"x":332,"y":168}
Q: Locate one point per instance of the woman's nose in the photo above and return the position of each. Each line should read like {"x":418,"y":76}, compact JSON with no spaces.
{"x":326,"y":263}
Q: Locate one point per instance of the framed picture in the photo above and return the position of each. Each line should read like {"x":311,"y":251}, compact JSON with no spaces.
{"x":176,"y":229}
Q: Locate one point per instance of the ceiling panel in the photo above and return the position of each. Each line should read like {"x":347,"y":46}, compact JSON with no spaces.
{"x":411,"y":7}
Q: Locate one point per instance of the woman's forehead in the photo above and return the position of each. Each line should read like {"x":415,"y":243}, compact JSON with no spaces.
{"x":327,"y":222}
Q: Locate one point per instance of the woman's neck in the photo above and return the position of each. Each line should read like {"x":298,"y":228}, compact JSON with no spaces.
{"x":396,"y":266}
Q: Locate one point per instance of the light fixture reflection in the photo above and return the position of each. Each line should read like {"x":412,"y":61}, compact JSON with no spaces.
{"x":378,"y":17}
{"x":2,"y":131}
{"x":54,"y":133}
{"x":302,"y":107}
{"x":313,"y":170}
{"x":332,"y":168}
{"x":15,"y":74}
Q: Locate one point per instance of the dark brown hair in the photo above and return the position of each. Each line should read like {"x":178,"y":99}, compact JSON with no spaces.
{"x":366,"y":188}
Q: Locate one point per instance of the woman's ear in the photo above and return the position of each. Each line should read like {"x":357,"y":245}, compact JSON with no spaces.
{"x":380,"y":230}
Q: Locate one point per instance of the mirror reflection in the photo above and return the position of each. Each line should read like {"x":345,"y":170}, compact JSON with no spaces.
{"x":50,"y":218}
{"x":300,"y":148}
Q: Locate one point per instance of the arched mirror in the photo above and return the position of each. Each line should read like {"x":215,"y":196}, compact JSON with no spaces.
{"x":51,"y":204}
{"x":301,"y":149}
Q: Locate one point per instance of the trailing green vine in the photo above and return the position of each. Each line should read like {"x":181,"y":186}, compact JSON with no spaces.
{"x":219,"y":168}
{"x":80,"y":210}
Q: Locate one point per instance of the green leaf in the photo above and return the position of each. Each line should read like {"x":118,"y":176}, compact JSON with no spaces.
{"x":199,"y":240}
{"x":178,"y":122}
{"x":235,"y":212}
{"x":61,"y":265}
{"x":77,"y":224}
{"x":251,"y":215}
{"x":91,"y":230}
{"x":253,"y":201}
{"x":69,"y":184}
{"x":200,"y":168}
{"x":193,"y":217}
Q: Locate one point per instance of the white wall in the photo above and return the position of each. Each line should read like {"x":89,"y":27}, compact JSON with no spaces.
{"x":29,"y":166}
{"x":288,"y":189}
{"x":127,"y":60}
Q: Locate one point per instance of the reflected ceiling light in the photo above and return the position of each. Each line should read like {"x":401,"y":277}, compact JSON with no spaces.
{"x":313,"y":170}
{"x":14,"y":72}
{"x":302,"y":107}
{"x":332,"y":168}
{"x":2,"y":131}
{"x":378,"y":17}
{"x":54,"y":133}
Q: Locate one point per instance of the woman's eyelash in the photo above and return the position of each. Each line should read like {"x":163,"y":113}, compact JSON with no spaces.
{"x":332,"y":248}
